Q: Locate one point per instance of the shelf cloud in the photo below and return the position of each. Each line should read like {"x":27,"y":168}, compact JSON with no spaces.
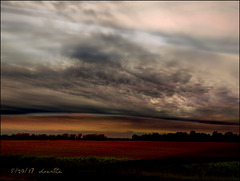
{"x":162,"y":61}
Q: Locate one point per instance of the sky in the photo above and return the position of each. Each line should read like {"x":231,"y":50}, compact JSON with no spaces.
{"x":119,"y":68}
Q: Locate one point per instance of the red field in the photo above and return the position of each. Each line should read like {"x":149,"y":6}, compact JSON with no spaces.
{"x":126,"y":149}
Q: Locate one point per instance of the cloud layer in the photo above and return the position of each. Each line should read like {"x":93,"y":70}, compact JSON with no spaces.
{"x":148,"y":59}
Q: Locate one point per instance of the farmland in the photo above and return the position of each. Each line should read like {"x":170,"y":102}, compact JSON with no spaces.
{"x":119,"y":149}
{"x":119,"y":160}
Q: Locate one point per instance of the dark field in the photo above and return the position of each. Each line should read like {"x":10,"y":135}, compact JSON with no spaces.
{"x":120,"y":160}
{"x":120,"y":149}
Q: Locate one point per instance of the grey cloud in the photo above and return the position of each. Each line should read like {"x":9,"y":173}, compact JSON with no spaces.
{"x":91,"y":55}
{"x":69,"y":11}
{"x":181,"y":77}
{"x":222,"y":45}
{"x":122,"y":76}
{"x":226,"y":97}
{"x":92,"y":82}
{"x":116,"y":75}
{"x":217,"y":112}
{"x":186,"y":41}
{"x":144,"y":120}
{"x":195,"y":88}
{"x":105,"y":16}
{"x":115,"y":63}
{"x":103,"y":48}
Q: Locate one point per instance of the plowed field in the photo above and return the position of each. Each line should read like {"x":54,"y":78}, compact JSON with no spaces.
{"x":120,"y":149}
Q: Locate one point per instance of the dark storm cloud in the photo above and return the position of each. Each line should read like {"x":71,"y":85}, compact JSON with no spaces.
{"x":111,"y":50}
{"x":110,"y":68}
{"x":86,"y":81}
{"x":144,"y":120}
{"x":18,"y":110}
{"x":101,"y":62}
{"x":81,"y":60}
{"x":25,"y":74}
{"x":216,"y":111}
{"x":91,"y":55}
{"x":226,"y":98}
{"x":105,"y":49}
{"x":145,"y":82}
{"x":103,"y":96}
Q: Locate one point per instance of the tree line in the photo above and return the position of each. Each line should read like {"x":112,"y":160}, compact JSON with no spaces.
{"x":192,"y":136}
{"x":65,"y":136}
{"x":178,"y":136}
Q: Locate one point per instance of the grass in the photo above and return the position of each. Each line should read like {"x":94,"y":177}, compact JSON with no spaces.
{"x":40,"y":161}
{"x":109,"y":168}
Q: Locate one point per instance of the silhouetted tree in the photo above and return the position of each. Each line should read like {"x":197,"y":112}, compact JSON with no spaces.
{"x":65,"y":136}
{"x":52,"y":137}
{"x":135,"y":137}
{"x":193,"y":133}
{"x":94,"y":137}
{"x":59,"y":137}
{"x":178,"y":136}
{"x":72,"y":136}
{"x":79,"y":136}
{"x":43,"y":137}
